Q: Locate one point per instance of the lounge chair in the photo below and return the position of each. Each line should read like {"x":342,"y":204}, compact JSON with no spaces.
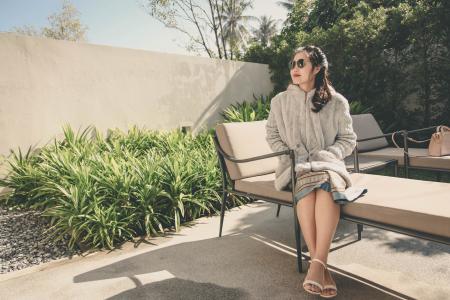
{"x":373,"y":145}
{"x":368,"y":164}
{"x":412,"y":207}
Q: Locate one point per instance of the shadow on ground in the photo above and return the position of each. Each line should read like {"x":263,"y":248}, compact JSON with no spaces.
{"x":182,"y":289}
{"x":257,"y":261}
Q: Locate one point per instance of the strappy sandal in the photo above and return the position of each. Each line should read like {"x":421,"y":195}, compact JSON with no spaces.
{"x":312,"y":282}
{"x":328,"y":287}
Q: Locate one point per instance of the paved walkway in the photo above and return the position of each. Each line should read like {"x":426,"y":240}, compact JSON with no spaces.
{"x":255,"y":259}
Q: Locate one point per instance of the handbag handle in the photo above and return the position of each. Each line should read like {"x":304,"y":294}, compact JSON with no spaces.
{"x":442,"y":128}
{"x":414,"y":140}
{"x":396,"y":145}
{"x":393,"y":139}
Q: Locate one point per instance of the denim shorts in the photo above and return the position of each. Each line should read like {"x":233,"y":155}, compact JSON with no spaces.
{"x":338,"y":197}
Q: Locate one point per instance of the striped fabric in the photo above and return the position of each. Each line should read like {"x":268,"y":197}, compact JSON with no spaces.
{"x":329,"y":181}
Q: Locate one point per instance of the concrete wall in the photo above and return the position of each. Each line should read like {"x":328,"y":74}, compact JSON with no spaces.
{"x":45,"y":84}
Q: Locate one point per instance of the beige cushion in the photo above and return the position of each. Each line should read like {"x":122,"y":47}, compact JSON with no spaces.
{"x":364,"y":162}
{"x":413,"y":204}
{"x":418,"y":157}
{"x":244,"y":140}
{"x":442,"y":162}
{"x":263,"y":186}
{"x":365,"y":126}
{"x":388,"y":153}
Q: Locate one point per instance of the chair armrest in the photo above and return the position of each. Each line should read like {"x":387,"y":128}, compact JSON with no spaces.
{"x":406,"y":138}
{"x":402,"y":132}
{"x":249,"y":159}
{"x":420,"y":129}
{"x":255,"y":158}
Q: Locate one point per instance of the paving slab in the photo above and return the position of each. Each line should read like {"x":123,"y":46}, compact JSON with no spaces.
{"x":254,"y":259}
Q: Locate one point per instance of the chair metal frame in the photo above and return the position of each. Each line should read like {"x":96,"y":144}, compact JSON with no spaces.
{"x":406,"y":134}
{"x":228,"y":188}
{"x":406,"y":157}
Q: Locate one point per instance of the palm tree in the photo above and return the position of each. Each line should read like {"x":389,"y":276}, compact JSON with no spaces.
{"x":234,"y":21}
{"x":304,"y":7}
{"x":266,"y":30}
{"x":288,"y":4}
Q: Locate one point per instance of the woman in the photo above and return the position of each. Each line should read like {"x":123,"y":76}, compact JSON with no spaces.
{"x":314,"y":120}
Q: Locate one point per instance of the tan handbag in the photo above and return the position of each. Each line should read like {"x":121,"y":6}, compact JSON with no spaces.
{"x":440,"y":142}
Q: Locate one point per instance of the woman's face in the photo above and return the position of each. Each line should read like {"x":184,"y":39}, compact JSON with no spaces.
{"x":305,"y":75}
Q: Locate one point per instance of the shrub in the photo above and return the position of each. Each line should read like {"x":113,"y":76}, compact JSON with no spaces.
{"x":103,"y":191}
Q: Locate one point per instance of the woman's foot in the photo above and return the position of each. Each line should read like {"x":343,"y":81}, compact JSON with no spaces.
{"x":329,"y":286}
{"x":314,"y":279}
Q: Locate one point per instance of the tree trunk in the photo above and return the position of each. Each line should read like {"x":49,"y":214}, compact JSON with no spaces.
{"x":216,"y":34}
{"x":221,"y":29}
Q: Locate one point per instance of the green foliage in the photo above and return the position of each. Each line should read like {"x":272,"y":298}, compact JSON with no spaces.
{"x":104,"y":191}
{"x":64,"y":25}
{"x":248,"y":111}
{"x":390,"y":55}
{"x":260,"y":108}
{"x":257,"y":53}
{"x":357,"y":108}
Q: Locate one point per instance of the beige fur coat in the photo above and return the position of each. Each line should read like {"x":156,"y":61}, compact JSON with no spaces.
{"x":320,"y":140}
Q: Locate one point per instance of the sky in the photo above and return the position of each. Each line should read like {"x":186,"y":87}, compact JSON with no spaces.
{"x":120,"y":23}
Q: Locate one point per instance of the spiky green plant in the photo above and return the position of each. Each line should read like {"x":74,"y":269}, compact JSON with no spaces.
{"x":248,"y":111}
{"x":103,"y":191}
{"x":356,"y":107}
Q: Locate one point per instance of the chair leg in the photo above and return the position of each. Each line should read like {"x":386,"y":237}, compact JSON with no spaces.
{"x":222,"y":211}
{"x":278,"y":210}
{"x":360,"y":229}
{"x":298,"y":241}
{"x":396,"y":170}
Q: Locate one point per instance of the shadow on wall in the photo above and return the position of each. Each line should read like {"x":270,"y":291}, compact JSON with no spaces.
{"x":241,"y":79}
{"x":50,"y":83}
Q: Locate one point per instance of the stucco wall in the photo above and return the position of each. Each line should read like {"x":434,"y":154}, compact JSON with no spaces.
{"x":45,"y":84}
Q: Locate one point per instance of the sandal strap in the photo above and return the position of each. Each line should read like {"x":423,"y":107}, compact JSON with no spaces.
{"x":312,"y":282}
{"x":319,"y":261}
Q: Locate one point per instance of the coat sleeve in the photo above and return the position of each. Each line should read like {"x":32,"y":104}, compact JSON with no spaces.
{"x":346,"y":138}
{"x":273,"y":137}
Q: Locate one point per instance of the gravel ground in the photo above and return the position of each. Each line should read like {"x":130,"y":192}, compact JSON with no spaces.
{"x":22,"y":240}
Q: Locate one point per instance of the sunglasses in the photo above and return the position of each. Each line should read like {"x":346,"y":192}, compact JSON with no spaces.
{"x":300,"y":63}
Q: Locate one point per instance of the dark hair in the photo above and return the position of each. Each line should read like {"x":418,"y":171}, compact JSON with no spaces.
{"x":322,"y":84}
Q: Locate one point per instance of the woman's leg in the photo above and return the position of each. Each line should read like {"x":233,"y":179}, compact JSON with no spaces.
{"x":306,"y":218}
{"x":327,"y":218}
